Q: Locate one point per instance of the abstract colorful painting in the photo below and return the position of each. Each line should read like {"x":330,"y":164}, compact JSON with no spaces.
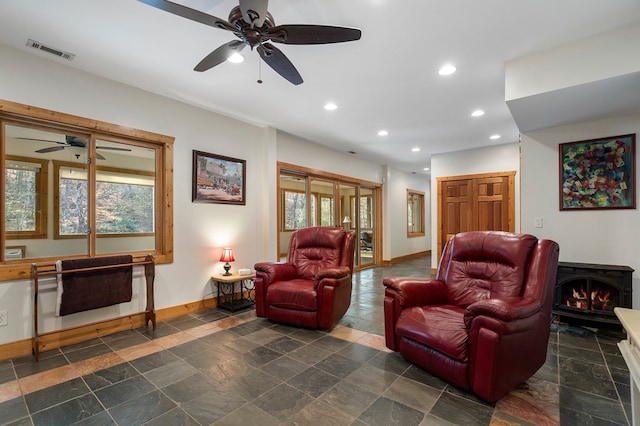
{"x":598,"y":173}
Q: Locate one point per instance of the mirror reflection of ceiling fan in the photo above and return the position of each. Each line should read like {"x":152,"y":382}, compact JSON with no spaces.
{"x":254,"y":26}
{"x":71,"y":142}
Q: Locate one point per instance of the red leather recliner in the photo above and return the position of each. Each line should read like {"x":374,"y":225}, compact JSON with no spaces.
{"x":313,"y":287}
{"x":483,"y":323}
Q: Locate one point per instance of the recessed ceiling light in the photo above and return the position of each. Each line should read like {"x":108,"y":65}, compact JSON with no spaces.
{"x":416,"y":149}
{"x":477,"y":113}
{"x":494,"y":137}
{"x":426,"y":169}
{"x":447,"y":69}
{"x":235,"y":58}
{"x":382,"y":133}
{"x":330,"y":106}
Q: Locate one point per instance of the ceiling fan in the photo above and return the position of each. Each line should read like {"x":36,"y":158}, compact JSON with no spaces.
{"x":254,"y":26}
{"x":71,"y":141}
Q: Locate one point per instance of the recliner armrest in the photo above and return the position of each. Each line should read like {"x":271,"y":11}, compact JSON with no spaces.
{"x":336,"y":273}
{"x":276,"y":271}
{"x":415,"y":291}
{"x":504,"y":309}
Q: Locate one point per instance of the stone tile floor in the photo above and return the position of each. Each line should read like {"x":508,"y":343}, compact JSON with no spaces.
{"x":216,"y":368}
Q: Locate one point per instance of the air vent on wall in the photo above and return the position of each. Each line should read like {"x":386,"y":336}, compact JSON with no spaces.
{"x":37,"y":45}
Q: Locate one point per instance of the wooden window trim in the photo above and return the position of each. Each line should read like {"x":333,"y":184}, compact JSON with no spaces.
{"x":41,"y":203}
{"x":22,"y":114}
{"x":421,"y":232}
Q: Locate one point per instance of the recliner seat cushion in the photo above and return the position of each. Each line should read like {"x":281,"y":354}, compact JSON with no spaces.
{"x":439,"y":327}
{"x":297,"y":294}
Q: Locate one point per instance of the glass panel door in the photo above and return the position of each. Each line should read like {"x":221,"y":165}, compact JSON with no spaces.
{"x":366,"y":226}
{"x":293,"y":209}
{"x":349,"y":213}
{"x":316,"y":199}
{"x":322,"y":203}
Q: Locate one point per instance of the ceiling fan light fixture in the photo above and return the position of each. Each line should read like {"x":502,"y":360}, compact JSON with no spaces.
{"x":236,"y":58}
{"x":447,"y":69}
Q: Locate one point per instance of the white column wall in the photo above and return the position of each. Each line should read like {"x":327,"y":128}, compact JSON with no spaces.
{"x":602,"y":236}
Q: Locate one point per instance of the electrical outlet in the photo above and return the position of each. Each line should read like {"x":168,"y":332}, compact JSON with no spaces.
{"x":3,"y":318}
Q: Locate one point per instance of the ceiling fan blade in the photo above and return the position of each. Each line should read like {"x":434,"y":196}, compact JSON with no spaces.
{"x":192,"y":14}
{"x":50,"y":149}
{"x":41,"y":140}
{"x":254,"y":11}
{"x":311,"y":34}
{"x":279,"y":62}
{"x":219,"y":55}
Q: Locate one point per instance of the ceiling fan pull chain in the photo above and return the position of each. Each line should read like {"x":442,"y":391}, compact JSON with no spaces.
{"x":259,"y":72}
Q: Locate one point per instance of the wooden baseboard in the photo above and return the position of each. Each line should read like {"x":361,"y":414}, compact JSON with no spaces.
{"x":406,"y":257}
{"x":70,"y":336}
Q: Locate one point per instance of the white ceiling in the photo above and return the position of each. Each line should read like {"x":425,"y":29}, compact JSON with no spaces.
{"x":387,"y":80}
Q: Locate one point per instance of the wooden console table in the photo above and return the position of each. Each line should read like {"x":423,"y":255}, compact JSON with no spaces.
{"x":228,"y":298}
{"x":630,"y":349}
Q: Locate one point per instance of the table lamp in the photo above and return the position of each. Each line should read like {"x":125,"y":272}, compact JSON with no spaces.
{"x":227,"y":256}
{"x":346,"y":221}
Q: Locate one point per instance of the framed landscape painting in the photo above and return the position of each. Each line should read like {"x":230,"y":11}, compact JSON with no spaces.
{"x":598,"y":173}
{"x":218,"y":179}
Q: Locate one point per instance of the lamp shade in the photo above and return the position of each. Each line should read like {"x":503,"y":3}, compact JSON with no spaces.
{"x":346,"y":219}
{"x":227,"y":255}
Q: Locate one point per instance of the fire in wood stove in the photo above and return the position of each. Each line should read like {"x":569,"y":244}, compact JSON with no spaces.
{"x":601,"y":298}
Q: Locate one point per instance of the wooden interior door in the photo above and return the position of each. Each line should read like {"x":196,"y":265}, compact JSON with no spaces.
{"x":456,"y":202}
{"x":491,"y":199}
{"x":475,"y":203}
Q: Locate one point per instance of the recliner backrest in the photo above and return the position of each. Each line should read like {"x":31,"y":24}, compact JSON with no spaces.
{"x":481,"y":265}
{"x":316,"y":248}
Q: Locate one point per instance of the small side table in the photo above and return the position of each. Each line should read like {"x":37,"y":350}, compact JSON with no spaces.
{"x":630,"y":350}
{"x":227,"y":298}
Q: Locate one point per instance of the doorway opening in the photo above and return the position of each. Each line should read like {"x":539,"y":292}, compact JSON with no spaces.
{"x":313,"y":198}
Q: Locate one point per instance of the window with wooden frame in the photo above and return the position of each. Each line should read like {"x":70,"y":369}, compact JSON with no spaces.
{"x":111,"y":186}
{"x":25,"y":202}
{"x":124,"y":201}
{"x":415,"y":213}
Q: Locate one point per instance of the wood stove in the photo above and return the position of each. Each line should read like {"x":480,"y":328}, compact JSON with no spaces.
{"x":587,"y":293}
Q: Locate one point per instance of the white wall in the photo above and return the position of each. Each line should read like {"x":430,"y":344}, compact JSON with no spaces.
{"x":395,"y":214}
{"x":574,"y":63}
{"x":498,"y":158}
{"x":200,"y":230}
{"x":295,"y":150}
{"x":602,"y":236}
